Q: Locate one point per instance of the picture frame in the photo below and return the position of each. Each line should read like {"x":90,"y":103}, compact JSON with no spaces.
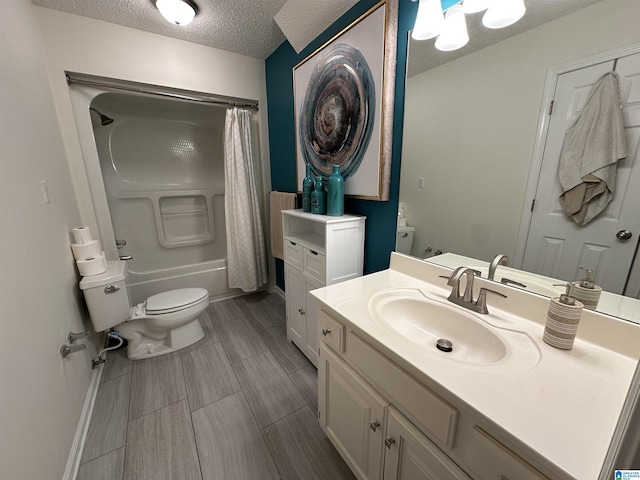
{"x":343,"y":101}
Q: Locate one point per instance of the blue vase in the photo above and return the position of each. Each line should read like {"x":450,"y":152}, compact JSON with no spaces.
{"x":307,"y":188}
{"x":335,"y":193}
{"x":319,"y":198}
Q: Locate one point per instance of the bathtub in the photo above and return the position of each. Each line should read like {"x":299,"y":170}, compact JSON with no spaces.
{"x":162,"y":166}
{"x":211,"y":275}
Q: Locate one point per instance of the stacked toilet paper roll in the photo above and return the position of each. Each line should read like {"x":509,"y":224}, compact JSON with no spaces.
{"x":88,"y":253}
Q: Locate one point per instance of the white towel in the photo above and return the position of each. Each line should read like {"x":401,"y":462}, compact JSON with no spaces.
{"x":591,"y":149}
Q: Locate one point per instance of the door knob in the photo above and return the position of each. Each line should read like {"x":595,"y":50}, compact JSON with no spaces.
{"x":389,"y":441}
{"x":374,"y":425}
{"x":624,"y":235}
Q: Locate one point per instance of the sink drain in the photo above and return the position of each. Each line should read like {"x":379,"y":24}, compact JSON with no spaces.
{"x":444,"y":345}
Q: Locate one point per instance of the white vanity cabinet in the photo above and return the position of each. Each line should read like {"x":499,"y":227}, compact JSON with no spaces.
{"x":319,"y":250}
{"x":388,"y":425}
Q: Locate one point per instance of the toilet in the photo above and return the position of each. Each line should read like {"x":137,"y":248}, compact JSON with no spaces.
{"x":404,"y":239}
{"x":162,"y":324}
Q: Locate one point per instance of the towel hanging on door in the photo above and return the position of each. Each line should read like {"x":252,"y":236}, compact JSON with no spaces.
{"x":590,"y":152}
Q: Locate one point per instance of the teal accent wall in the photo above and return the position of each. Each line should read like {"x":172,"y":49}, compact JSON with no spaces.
{"x":380,"y":235}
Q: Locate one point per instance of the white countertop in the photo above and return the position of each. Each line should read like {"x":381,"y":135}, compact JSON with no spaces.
{"x":565,"y":407}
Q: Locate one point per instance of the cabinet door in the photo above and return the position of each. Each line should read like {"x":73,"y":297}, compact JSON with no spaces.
{"x":351,"y":414}
{"x":296,"y":305}
{"x":311,"y":313}
{"x":412,"y":456}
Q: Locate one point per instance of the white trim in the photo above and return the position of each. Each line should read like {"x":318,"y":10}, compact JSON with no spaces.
{"x":77,"y":447}
{"x":543,"y":126}
{"x":278,"y":291}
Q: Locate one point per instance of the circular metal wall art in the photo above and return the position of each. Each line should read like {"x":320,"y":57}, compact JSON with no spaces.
{"x":337,"y":115}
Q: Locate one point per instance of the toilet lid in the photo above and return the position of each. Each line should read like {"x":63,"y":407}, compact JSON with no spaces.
{"x":174,"y":300}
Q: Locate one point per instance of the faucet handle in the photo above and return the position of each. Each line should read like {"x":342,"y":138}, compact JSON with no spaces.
{"x":481,"y":303}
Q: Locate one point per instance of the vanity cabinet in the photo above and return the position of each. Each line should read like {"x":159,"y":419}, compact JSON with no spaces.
{"x":388,"y":425}
{"x":319,"y":250}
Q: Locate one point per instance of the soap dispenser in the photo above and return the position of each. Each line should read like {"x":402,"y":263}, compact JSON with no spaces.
{"x":587,"y":291}
{"x":563,"y":318}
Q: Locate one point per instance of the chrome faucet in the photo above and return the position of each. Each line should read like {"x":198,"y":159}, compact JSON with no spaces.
{"x":499,"y":259}
{"x":466,"y":300}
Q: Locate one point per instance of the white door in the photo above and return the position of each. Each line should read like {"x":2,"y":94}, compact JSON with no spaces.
{"x":352,"y":415}
{"x":412,"y":456}
{"x":556,"y":246}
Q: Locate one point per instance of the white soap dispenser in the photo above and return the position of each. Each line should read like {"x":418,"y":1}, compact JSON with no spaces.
{"x":563,"y":318}
{"x":587,"y":291}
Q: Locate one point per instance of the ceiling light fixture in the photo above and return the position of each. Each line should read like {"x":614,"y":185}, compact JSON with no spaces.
{"x":452,"y":31}
{"x":503,"y":13}
{"x":429,"y":21}
{"x":178,"y":12}
{"x":454,"y":34}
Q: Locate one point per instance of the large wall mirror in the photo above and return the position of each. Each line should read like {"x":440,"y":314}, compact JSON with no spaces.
{"x":473,"y":137}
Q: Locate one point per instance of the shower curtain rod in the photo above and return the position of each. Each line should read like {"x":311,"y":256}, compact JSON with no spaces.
{"x":190,"y":95}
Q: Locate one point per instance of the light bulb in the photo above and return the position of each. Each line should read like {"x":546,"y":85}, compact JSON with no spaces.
{"x":429,"y":20}
{"x":454,"y":34}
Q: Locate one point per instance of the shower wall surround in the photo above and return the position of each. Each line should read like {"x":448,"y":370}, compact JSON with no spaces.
{"x":163,"y":170}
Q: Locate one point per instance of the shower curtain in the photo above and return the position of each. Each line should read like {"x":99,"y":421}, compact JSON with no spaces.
{"x":246,"y":255}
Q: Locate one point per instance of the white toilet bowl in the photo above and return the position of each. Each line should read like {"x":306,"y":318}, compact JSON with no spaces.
{"x":164,"y":323}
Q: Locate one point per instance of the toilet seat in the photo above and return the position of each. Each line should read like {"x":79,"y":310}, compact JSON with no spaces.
{"x":174,"y":300}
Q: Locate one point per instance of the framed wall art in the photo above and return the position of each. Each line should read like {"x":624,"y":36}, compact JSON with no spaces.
{"x":343,"y":99}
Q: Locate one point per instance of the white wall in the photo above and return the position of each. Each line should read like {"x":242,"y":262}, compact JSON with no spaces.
{"x":470,"y":128}
{"x":94,"y":47}
{"x":41,"y":395}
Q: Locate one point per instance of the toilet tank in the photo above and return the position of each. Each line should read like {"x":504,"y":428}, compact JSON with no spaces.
{"x":106,"y":296}
{"x":404,"y":239}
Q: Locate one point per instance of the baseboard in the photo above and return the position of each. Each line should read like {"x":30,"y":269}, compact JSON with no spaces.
{"x":278,"y":291}
{"x":77,"y":448}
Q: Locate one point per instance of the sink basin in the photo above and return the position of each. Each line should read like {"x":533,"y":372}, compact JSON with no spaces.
{"x":424,"y":321}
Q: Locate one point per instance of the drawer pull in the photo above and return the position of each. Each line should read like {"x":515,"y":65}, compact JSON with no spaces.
{"x":313,"y":252}
{"x":292,"y":243}
{"x":326,"y":331}
{"x":374,"y":425}
{"x":389,"y":441}
{"x":301,"y":311}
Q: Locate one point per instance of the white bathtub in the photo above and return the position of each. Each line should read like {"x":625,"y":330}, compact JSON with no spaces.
{"x":210,"y":275}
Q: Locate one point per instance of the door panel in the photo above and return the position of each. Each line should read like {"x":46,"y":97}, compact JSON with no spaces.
{"x":556,"y":246}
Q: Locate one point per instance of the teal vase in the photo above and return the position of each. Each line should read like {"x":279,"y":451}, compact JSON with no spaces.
{"x":319,"y":198}
{"x":335,"y":193}
{"x":307,"y":188}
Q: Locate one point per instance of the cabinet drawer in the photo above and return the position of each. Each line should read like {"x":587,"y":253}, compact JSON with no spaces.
{"x":332,"y":331}
{"x":434,"y":416}
{"x":488,"y":460}
{"x":293,"y":254}
{"x":314,"y":264}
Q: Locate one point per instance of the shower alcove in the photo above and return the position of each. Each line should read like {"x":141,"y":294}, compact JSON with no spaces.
{"x":162,"y":166}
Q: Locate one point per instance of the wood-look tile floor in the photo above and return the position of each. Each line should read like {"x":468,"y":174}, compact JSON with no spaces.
{"x":239,"y":404}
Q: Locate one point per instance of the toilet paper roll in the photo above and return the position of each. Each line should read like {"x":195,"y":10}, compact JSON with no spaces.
{"x":82,"y":235}
{"x":92,"y":266}
{"x":88,"y":250}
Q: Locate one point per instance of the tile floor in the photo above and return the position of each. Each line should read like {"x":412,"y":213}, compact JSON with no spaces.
{"x":239,"y":404}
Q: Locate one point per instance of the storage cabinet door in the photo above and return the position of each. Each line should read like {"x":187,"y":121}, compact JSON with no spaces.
{"x":351,"y":414}
{"x":311,"y":308}
{"x":412,"y":456}
{"x":296,"y":306}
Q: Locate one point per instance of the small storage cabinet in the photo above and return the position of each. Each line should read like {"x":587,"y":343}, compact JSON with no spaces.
{"x":319,"y":250}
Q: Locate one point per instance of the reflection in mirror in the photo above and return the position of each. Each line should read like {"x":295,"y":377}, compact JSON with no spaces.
{"x":473,"y":146}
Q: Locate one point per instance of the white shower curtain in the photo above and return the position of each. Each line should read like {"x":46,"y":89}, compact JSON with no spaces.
{"x":246,"y":257}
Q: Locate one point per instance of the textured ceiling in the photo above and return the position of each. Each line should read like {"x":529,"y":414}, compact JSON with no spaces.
{"x":249,"y":27}
{"x":423,"y":54}
{"x":246,"y":27}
